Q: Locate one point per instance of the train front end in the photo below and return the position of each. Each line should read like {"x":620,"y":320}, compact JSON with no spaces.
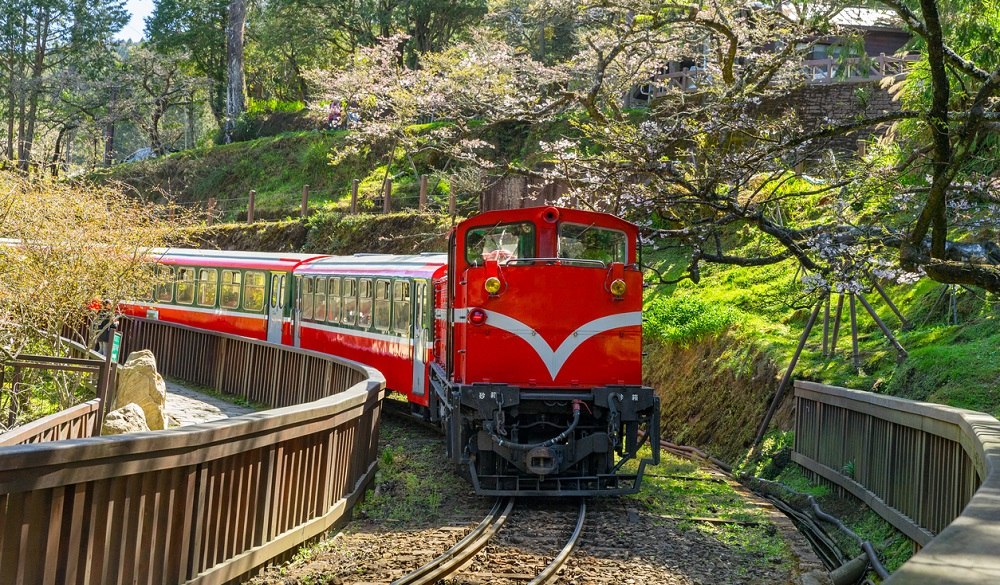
{"x":543,"y":381}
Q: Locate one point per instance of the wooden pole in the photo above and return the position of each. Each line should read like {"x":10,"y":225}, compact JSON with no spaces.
{"x":305,"y":201}
{"x":354,"y":196}
{"x":888,"y":301}
{"x":788,"y":374}
{"x":826,"y":324}
{"x":387,"y":196}
{"x":250,"y":204}
{"x":836,"y":325}
{"x":212,"y":202}
{"x":452,"y":206}
{"x":885,"y":330}
{"x":854,"y":334}
{"x":423,"y":192}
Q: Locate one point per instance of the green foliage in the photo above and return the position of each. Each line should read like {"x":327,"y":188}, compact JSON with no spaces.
{"x":267,"y":106}
{"x":683,"y":319}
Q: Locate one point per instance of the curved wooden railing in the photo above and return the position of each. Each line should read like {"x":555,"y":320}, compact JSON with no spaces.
{"x":201,"y":504}
{"x":932,"y":471}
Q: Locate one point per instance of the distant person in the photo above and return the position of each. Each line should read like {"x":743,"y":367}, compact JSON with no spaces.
{"x":105,"y":319}
{"x":334,"y":119}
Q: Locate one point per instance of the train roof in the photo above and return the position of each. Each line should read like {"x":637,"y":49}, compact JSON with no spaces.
{"x":231,"y":259}
{"x":416,"y":265}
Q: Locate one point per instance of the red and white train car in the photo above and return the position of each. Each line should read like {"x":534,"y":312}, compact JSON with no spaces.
{"x":524,"y":341}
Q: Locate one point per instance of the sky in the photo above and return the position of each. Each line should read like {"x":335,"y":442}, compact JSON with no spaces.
{"x":140,"y":9}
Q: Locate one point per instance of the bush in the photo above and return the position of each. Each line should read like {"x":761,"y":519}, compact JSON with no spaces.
{"x":683,"y":319}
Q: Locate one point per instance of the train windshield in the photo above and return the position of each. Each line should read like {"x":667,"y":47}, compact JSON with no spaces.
{"x":502,"y":242}
{"x":588,"y":242}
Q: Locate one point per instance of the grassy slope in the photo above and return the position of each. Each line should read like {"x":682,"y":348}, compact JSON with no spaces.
{"x":950,"y":364}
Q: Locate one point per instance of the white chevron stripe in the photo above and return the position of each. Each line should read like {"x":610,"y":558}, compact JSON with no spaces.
{"x":554,"y":360}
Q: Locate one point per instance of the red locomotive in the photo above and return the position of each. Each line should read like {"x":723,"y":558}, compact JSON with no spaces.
{"x":524,"y":342}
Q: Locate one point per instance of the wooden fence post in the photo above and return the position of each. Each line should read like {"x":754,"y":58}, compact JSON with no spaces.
{"x":354,"y":196}
{"x":305,"y":201}
{"x":387,"y":196}
{"x":423,"y":192}
{"x":212,"y":202}
{"x":104,"y":381}
{"x":253,"y":197}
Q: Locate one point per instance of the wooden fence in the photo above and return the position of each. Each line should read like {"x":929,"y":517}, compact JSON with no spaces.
{"x":930,"y":470}
{"x":202,"y":504}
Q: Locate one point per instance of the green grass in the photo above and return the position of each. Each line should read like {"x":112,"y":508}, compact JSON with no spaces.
{"x":409,"y":485}
{"x":679,"y":490}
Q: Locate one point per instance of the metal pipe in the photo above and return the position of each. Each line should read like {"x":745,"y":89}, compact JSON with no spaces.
{"x":561,"y":436}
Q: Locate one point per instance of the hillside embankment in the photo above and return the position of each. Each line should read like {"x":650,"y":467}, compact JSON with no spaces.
{"x":715,"y":350}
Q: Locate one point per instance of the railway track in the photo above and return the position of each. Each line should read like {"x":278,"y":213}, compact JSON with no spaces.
{"x":459,"y":555}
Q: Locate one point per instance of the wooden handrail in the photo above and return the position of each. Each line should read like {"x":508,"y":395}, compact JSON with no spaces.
{"x":932,"y":471}
{"x":207,"y":503}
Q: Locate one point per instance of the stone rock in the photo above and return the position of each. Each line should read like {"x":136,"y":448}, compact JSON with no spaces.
{"x":139,"y":383}
{"x":127,"y":419}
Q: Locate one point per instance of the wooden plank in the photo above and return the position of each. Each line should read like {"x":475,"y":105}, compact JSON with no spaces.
{"x":76,"y":549}
{"x":51,"y":550}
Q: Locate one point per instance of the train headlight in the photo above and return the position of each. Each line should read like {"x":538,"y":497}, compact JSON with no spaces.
{"x":618,"y":287}
{"x":492,"y":285}
{"x":477,"y":316}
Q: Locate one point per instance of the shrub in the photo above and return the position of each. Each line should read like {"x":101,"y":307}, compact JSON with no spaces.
{"x":683,"y":319}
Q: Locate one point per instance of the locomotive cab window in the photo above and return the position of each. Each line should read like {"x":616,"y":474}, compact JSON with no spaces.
{"x":185,"y":286}
{"x":383,"y":307}
{"x":253,"y":291}
{"x":306,"y":298}
{"x":165,"y":284}
{"x":502,"y":242}
{"x":350,"y":309}
{"x":208,"y":287}
{"x":232,"y":281}
{"x":364,"y":303}
{"x":589,"y":242}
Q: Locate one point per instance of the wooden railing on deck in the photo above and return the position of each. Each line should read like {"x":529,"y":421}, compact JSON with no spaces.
{"x":930,"y":470}
{"x":201,"y":504}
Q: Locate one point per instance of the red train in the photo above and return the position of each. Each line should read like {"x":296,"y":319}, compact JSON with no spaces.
{"x":524,"y":341}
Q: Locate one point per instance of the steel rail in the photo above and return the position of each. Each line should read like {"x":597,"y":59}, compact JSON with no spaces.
{"x":454,"y":558}
{"x":550,"y":571}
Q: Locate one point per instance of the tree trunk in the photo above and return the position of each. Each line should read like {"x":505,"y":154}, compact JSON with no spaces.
{"x":109,"y":130}
{"x":28,"y":127}
{"x":235,"y":86}
{"x":189,"y":127}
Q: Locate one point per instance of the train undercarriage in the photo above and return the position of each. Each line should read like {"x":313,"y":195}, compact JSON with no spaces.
{"x":542,"y":442}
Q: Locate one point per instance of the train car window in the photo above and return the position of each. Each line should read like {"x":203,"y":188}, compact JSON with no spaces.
{"x":333,"y":304}
{"x":383,"y":305}
{"x":253,"y":291}
{"x":185,"y":286}
{"x":501,"y":242}
{"x":364,"y":303}
{"x":306,"y":297}
{"x":350,"y":309}
{"x":588,"y":242}
{"x":401,"y":307}
{"x":208,"y":287}
{"x":165,"y":284}
{"x":321,"y":307}
{"x":275,"y":290}
{"x":232,"y":282}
